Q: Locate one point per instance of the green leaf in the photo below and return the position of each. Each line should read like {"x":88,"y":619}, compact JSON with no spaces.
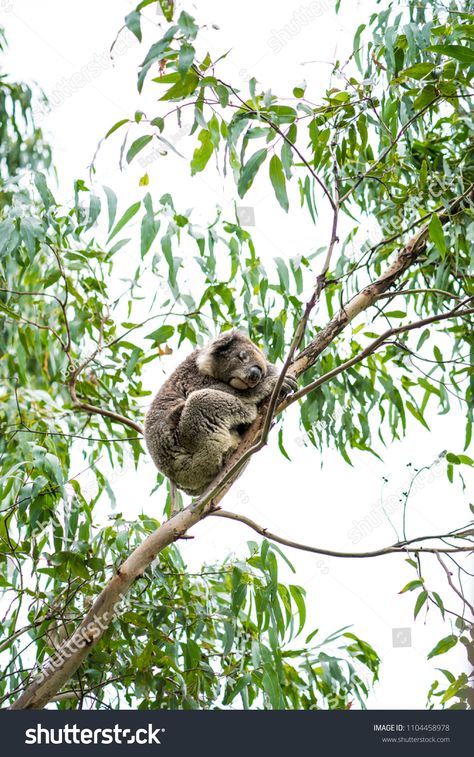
{"x":138,"y":145}
{"x":459,"y":52}
{"x":439,"y":602}
{"x":223,"y":94}
{"x":411,"y":585}
{"x":111,"y":204}
{"x":192,"y":654}
{"x":161,"y":335}
{"x":451,"y":458}
{"x":186,"y":57}
{"x":149,"y":226}
{"x":271,"y":686}
{"x":299,"y":90}
{"x":42,"y":187}
{"x":443,"y":646}
{"x":202,"y":153}
{"x":283,"y":275}
{"x":182,"y":88}
{"x":277,"y":178}
{"x":187,"y":25}
{"x":241,"y":684}
{"x":298,"y":597}
{"x":129,"y":213}
{"x":358,"y":46}
{"x":117,"y":126}
{"x":132,"y":22}
{"x":424,"y":174}
{"x":395,"y":314}
{"x":93,"y":211}
{"x":167,"y":6}
{"x":249,"y":171}
{"x":229,"y":631}
{"x":435,"y":230}
{"x":281,"y":446}
{"x":424,"y":336}
{"x":418,"y":71}
{"x":427,"y":95}
{"x":29,"y":234}
{"x":159,"y":122}
{"x":416,"y":414}
{"x":421,"y":599}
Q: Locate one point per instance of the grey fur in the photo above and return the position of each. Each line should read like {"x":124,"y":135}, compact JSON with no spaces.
{"x":201,"y":412}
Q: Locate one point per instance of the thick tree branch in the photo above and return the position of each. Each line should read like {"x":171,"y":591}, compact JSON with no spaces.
{"x":72,"y":653}
{"x":252,"y":441}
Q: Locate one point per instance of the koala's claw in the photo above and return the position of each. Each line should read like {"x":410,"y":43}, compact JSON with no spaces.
{"x":289,"y":384}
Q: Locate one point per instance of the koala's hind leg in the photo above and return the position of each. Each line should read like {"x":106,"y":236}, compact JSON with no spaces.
{"x":208,"y":431}
{"x":210,"y":414}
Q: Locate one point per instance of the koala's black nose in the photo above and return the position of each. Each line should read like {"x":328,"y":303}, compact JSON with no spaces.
{"x":255,"y":374}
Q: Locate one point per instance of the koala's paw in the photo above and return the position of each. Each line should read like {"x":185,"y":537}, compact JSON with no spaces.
{"x":289,"y":385}
{"x":265,"y":390}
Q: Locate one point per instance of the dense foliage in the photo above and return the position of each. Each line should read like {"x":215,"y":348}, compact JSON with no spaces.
{"x":388,"y":148}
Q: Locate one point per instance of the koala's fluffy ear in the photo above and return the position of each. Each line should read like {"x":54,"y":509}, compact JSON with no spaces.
{"x":224,"y":341}
{"x":205,"y":361}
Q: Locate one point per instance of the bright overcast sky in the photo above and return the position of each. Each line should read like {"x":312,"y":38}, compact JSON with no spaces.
{"x":55,"y":43}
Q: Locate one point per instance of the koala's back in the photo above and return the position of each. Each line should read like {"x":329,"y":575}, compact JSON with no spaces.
{"x":200,"y":414}
{"x":162,"y":434}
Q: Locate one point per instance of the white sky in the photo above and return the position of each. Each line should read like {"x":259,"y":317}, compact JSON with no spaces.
{"x":51,"y":42}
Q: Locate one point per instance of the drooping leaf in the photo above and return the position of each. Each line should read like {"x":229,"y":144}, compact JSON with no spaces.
{"x":277,"y":177}
{"x":249,"y":171}
{"x":127,"y":216}
{"x":138,"y":145}
{"x":435,"y":230}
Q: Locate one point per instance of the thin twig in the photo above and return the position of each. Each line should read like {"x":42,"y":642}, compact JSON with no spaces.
{"x":452,"y":585}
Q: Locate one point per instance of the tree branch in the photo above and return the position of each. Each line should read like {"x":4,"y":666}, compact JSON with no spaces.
{"x":405,"y":258}
{"x":453,"y":587}
{"x":372,"y":347}
{"x":403,"y":546}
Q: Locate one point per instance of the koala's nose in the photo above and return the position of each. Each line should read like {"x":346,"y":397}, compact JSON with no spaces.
{"x":255,"y":374}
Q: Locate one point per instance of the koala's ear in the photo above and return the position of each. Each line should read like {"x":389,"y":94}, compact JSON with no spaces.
{"x":205,"y":359}
{"x":224,"y":341}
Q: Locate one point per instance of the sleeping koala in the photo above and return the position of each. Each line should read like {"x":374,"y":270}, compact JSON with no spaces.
{"x":201,"y":412}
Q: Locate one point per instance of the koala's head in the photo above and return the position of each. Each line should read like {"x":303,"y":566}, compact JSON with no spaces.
{"x":234,"y":359}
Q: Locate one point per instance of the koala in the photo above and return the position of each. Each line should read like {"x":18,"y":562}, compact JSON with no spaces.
{"x":201,"y":412}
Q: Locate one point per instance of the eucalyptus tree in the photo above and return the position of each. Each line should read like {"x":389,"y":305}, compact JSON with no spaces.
{"x":390,"y":145}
